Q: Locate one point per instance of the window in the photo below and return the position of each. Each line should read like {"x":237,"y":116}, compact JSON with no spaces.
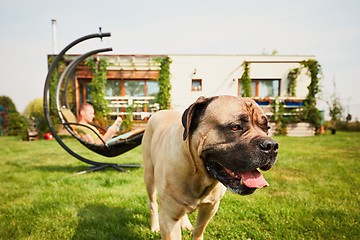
{"x":113,"y":88}
{"x":265,"y":87}
{"x":196,"y":85}
{"x":152,"y":88}
{"x":133,"y":88}
{"x":84,"y":90}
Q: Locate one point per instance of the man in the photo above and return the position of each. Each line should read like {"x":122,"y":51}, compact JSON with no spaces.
{"x":90,"y":133}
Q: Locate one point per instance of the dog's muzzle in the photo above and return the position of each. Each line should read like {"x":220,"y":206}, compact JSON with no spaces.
{"x":242,"y":176}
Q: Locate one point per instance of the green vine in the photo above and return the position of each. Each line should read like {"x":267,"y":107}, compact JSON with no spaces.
{"x":98,"y":86}
{"x":311,"y":113}
{"x":128,"y":120}
{"x":292,"y":75}
{"x":278,"y":117}
{"x":53,"y":86}
{"x":163,"y":97}
{"x":245,"y":81}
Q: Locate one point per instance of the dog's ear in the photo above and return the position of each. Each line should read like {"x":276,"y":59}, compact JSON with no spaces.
{"x":191,"y":116}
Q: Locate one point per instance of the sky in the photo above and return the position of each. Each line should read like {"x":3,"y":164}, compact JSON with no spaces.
{"x":328,"y":29}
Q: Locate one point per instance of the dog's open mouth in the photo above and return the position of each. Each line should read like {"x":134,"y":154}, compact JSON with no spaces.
{"x":242,"y":183}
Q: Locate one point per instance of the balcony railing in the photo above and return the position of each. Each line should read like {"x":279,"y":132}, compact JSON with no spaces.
{"x":142,"y":107}
{"x":292,"y":106}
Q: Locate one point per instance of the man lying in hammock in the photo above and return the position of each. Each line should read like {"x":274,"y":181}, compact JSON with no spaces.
{"x":86,"y":117}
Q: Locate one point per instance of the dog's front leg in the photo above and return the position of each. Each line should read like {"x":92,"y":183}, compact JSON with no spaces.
{"x":205,"y":213}
{"x":170,"y":227}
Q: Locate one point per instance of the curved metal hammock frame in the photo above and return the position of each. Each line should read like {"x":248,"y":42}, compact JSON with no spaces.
{"x":108,"y":150}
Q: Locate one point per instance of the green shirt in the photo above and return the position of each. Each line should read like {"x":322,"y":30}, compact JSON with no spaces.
{"x":82,"y":131}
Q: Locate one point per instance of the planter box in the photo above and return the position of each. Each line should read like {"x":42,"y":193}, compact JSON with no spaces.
{"x":293,"y":103}
{"x":262,"y":103}
{"x":301,"y":129}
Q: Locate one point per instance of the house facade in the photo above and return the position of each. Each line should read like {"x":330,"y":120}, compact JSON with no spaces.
{"x":132,"y":80}
{"x":208,"y":75}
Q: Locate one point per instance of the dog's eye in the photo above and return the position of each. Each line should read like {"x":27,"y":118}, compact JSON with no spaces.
{"x":235,"y":128}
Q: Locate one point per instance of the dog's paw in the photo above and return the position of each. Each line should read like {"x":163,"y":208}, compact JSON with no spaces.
{"x":186,"y":224}
{"x":187,"y":227}
{"x":155,"y":228}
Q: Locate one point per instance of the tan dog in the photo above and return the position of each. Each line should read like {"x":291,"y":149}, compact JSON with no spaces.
{"x":217,"y":143}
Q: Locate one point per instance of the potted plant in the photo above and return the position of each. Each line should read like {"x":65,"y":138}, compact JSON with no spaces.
{"x":263,"y":101}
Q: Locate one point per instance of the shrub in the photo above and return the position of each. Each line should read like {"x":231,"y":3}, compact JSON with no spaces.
{"x":12,"y":124}
{"x":34,"y":111}
{"x":344,"y":126}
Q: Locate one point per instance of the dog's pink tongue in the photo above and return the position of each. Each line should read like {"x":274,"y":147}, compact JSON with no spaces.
{"x":254,"y":179}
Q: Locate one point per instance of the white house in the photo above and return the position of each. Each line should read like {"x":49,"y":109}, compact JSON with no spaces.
{"x":209,"y":75}
{"x":132,"y":80}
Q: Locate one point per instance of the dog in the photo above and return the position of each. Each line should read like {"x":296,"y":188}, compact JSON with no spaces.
{"x":190,"y":160}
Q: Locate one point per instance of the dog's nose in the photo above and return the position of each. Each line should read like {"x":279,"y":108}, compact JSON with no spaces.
{"x":269,"y":145}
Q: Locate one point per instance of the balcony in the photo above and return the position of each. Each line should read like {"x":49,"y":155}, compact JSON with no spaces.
{"x":141,"y":108}
{"x":292,"y":106}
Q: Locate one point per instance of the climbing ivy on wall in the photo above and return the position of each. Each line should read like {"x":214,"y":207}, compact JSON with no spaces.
{"x":245,"y":81}
{"x":164,"y":96}
{"x":292,"y":75}
{"x":311,"y":113}
{"x":98,"y":86}
{"x":53,"y":86}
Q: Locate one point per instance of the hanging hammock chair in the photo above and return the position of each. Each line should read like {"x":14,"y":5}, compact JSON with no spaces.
{"x":111,"y":148}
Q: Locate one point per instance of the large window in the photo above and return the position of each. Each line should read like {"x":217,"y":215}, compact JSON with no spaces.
{"x":134,"y":88}
{"x":113,"y":88}
{"x":131,"y":88}
{"x":265,"y":87}
{"x":152,"y":88}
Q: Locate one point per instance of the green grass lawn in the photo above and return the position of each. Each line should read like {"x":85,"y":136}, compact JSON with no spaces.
{"x":313,"y":194}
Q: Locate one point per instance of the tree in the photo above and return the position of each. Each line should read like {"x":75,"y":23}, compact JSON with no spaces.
{"x":336,"y":110}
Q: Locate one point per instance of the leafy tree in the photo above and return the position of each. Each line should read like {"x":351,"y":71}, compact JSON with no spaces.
{"x":7,"y":104}
{"x":336,"y":109}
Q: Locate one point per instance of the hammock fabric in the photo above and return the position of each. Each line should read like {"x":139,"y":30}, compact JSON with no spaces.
{"x":123,"y":144}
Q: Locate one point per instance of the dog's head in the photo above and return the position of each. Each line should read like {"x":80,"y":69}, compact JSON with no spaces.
{"x":231,"y":137}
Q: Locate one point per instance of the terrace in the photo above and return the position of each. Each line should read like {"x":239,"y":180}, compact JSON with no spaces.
{"x":140,"y":107}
